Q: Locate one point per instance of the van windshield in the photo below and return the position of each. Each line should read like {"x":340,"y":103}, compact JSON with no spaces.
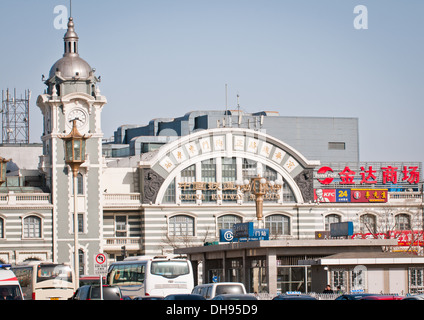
{"x":10,"y":293}
{"x":169,"y":269}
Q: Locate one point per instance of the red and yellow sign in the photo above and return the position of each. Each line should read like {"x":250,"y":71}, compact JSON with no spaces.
{"x":368,"y":195}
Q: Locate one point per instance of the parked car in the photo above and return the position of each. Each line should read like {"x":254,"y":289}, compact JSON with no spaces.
{"x":354,"y":296}
{"x":415,"y":297}
{"x":234,"y":297}
{"x":294,"y":297}
{"x":382,"y":297}
{"x":210,"y":290}
{"x":183,"y":296}
{"x":92,"y":292}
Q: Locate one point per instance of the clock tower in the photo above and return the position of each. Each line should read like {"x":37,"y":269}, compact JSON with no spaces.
{"x":72,"y":93}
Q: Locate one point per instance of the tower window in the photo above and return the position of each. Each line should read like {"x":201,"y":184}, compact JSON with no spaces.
{"x":336,"y":146}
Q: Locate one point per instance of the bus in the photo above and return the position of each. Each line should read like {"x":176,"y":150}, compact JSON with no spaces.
{"x":45,"y":280}
{"x":140,"y":276}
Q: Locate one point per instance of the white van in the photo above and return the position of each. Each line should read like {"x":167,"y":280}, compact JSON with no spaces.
{"x":210,"y":290}
{"x":9,"y":284}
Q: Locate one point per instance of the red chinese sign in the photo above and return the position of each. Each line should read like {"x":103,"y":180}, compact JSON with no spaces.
{"x":404,"y":237}
{"x":368,"y":195}
{"x":368,"y":175}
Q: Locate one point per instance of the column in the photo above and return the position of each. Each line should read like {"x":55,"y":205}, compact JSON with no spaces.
{"x":271,"y":265}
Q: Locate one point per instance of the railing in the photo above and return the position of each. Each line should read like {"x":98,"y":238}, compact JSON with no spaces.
{"x":122,"y":199}
{"x":118,"y":242}
{"x":12,"y":198}
{"x":414,"y":196}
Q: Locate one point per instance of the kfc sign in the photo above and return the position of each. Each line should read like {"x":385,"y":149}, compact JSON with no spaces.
{"x":368,"y":176}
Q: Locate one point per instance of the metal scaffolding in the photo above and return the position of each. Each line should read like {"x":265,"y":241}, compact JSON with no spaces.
{"x":15,"y":117}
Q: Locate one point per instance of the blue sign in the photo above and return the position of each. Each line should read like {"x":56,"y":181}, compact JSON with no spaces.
{"x":341,"y":229}
{"x":342,"y":195}
{"x":227,"y":235}
{"x":243,"y":230}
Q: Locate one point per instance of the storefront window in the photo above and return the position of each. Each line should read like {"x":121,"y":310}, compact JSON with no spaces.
{"x":293,"y":278}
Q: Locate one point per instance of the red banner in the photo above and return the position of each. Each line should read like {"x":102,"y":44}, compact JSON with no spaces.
{"x":368,"y":195}
{"x":404,"y":237}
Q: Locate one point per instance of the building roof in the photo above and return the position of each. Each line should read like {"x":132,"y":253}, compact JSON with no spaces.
{"x":366,"y":258}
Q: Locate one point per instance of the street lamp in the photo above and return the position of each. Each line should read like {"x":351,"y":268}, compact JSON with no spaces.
{"x":75,"y":157}
{"x":259,"y":186}
{"x":3,"y":165}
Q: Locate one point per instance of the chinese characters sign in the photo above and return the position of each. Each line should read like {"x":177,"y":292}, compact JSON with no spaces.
{"x":367,"y":175}
{"x":350,"y":195}
{"x":230,"y":188}
{"x":404,"y":237}
{"x":218,"y":143}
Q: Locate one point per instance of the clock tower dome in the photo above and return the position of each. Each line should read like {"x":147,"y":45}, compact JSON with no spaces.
{"x":72,"y":93}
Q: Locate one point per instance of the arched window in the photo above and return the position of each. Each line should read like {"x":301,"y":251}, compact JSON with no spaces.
{"x":368,"y":223}
{"x":278,"y":224}
{"x":331,"y":218}
{"x":181,"y":226}
{"x":403,"y":222}
{"x":227,"y":221}
{"x":32,"y":227}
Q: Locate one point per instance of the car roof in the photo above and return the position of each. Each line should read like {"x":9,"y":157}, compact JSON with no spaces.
{"x":382,"y":297}
{"x":294,"y":297}
{"x":230,"y":296}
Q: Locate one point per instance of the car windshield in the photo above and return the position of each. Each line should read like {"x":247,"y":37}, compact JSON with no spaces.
{"x":54,"y":272}
{"x":109,"y":293}
{"x":169,"y":269}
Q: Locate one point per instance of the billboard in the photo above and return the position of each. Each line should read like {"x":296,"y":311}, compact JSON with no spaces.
{"x":341,"y":229}
{"x":227,"y":235}
{"x":350,"y":195}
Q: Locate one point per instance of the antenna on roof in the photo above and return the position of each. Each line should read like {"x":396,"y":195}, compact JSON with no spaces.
{"x":238,"y":110}
{"x":226,"y":103}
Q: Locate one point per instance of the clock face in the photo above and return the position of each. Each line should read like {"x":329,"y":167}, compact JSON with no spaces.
{"x":79,"y":115}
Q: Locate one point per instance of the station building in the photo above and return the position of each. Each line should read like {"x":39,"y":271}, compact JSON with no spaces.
{"x":170,"y":186}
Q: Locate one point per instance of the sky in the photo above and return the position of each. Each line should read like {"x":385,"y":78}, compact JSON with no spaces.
{"x":164,"y":58}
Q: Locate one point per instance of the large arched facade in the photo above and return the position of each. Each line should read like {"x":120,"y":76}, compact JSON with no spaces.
{"x":198,"y":176}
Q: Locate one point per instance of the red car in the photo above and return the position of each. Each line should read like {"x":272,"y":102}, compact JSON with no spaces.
{"x":382,"y":297}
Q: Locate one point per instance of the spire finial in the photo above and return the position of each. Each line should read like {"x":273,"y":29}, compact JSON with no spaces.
{"x":71,"y":38}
